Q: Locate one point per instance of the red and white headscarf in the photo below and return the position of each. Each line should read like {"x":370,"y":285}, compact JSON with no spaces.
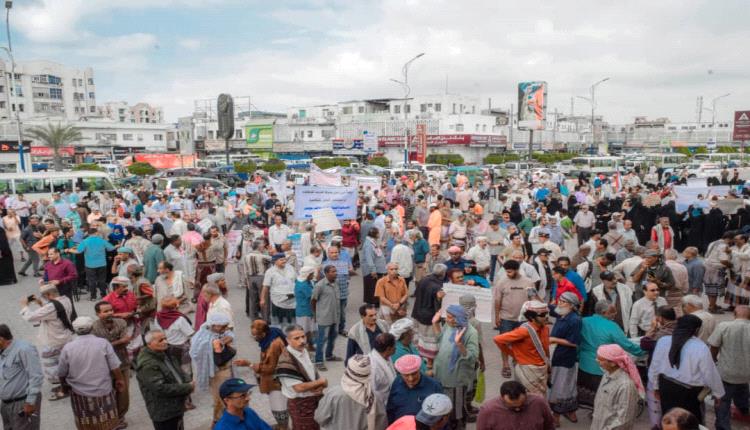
{"x":617,"y":355}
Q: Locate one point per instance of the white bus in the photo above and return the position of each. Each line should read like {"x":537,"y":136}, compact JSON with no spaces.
{"x":716,"y":157}
{"x":218,"y":160}
{"x":595,"y":165}
{"x":666,"y":160}
{"x":36,"y":186}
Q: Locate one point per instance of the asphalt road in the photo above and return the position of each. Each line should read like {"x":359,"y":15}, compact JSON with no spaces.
{"x":59,"y":415}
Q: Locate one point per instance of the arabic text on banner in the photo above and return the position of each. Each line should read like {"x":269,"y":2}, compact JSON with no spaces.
{"x":483,"y":295}
{"x":307,"y":198}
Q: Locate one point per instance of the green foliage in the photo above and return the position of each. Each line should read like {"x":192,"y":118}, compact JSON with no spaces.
{"x":552,"y":157}
{"x":500,"y":158}
{"x":88,"y":166}
{"x":55,"y":136}
{"x":726,"y":150}
{"x":141,"y":169}
{"x":684,"y":151}
{"x":701,"y":150}
{"x":328,"y":162}
{"x":273,"y":165}
{"x":379,"y":161}
{"x":245,"y":167}
{"x":445,"y":159}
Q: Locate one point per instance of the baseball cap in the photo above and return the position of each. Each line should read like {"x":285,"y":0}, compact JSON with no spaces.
{"x":234,"y":385}
{"x":434,"y":407}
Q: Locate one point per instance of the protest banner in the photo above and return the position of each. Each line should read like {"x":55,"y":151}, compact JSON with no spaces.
{"x":686,"y":195}
{"x":483,"y":296}
{"x":62,"y":209}
{"x":365,"y":182}
{"x":297,"y":248}
{"x":325,"y":220}
{"x":234,"y":238}
{"x":307,"y":198}
{"x":204,"y":225}
{"x":730,"y":206}
{"x":328,"y":177}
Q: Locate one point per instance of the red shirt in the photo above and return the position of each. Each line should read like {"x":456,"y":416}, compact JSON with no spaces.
{"x":667,"y":236}
{"x":565,"y":285}
{"x":122,"y":304}
{"x":350,"y":234}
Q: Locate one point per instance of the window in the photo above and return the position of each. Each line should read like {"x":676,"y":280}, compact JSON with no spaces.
{"x":31,"y":186}
{"x":408,"y":108}
{"x":437,"y":107}
{"x":80,"y":82}
{"x":476,"y":127}
{"x":459,"y":127}
{"x":139,"y":136}
{"x":2,"y":88}
{"x":60,"y":185}
{"x":397,"y":109}
{"x":92,"y":109}
{"x":122,"y":119}
{"x":309,"y":134}
{"x":454,"y":108}
{"x":92,"y":96}
{"x":473,"y":109}
{"x":346,"y":110}
{"x":109,"y":137}
{"x":361,"y":109}
{"x":326,"y":134}
{"x":158,"y":137}
{"x":91,"y":81}
{"x":55,"y":93}
{"x":238,"y":133}
{"x":121,"y":111}
{"x":93,"y":184}
{"x":302,"y":113}
{"x":210,"y":134}
{"x":19,"y":91}
{"x":484,"y":127}
{"x":2,"y":105}
{"x":127,"y":137}
{"x":423,"y":108}
{"x":75,"y":82}
{"x":20,"y":107}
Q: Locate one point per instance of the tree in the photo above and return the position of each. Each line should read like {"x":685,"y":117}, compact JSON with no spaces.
{"x":55,"y":136}
{"x":328,"y":162}
{"x":88,"y":166}
{"x":726,"y":150}
{"x":379,"y":161}
{"x":141,"y":169}
{"x":500,"y":158}
{"x":445,"y":159}
{"x":273,"y":165}
{"x":245,"y":167}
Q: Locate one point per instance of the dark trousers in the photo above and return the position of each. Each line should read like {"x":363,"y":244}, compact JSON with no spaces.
{"x":24,"y":221}
{"x":326,"y":337}
{"x":96,"y":278}
{"x":175,"y":423}
{"x":342,"y":315}
{"x":493,"y":266}
{"x":369,"y":282}
{"x":584,"y":234}
{"x":675,"y":394}
{"x":737,"y":393}
{"x":252,"y":297}
{"x":32,"y":261}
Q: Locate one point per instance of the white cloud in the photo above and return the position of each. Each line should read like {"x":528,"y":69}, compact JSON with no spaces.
{"x":656,"y":53}
{"x":189,"y":43}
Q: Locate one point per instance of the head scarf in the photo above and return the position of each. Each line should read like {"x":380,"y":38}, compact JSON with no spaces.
{"x":569,"y":297}
{"x":272,"y":333}
{"x":168,"y":313}
{"x":356,"y":384}
{"x":401,"y":326}
{"x":304,"y":272}
{"x":469,"y":303}
{"x":617,"y":355}
{"x":687,"y":327}
{"x":459,"y":314}
{"x":202,"y":352}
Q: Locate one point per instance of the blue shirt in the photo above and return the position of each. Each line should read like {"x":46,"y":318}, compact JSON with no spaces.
{"x":251,"y":421}
{"x":576,"y":279}
{"x":421,"y":249}
{"x":403,"y":400}
{"x":567,"y":327}
{"x":302,"y":295}
{"x":94,"y":250}
{"x":342,"y":272}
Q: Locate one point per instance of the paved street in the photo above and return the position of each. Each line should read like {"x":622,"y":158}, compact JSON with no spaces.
{"x":58,"y":414}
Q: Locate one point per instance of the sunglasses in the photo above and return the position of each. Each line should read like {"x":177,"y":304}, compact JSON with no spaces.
{"x":542,"y":315}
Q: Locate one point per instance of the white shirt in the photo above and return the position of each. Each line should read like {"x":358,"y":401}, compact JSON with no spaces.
{"x":277,"y":234}
{"x":628,"y":235}
{"x":178,"y":333}
{"x":529,"y":271}
{"x":642,"y":313}
{"x":697,"y":367}
{"x":308,"y":367}
{"x":281,"y":283}
{"x":404,"y":257}
{"x":382,"y":375}
{"x":627,"y":267}
{"x":584,"y":220}
{"x":179,"y":227}
{"x":481,"y":256}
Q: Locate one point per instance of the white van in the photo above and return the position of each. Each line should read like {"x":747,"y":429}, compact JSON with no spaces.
{"x":171,"y":183}
{"x":36,"y":186}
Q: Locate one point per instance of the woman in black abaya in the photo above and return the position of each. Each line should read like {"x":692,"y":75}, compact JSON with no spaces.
{"x":7,"y":271}
{"x":696,"y":223}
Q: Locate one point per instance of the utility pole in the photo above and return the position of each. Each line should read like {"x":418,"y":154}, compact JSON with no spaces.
{"x":12,"y":87}
{"x":407,"y":90}
{"x":713,"y":115}
{"x":510,"y":127}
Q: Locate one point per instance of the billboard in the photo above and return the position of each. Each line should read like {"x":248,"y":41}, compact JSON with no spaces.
{"x":532,"y":105}
{"x":741,"y":125}
{"x":445,"y":139}
{"x":166,"y":161}
{"x":421,"y":147}
{"x":46,"y":151}
{"x":259,"y":136}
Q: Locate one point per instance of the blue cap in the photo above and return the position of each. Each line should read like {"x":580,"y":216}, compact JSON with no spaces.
{"x":234,"y":385}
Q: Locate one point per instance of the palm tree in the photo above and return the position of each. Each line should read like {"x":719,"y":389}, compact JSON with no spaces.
{"x":55,"y":136}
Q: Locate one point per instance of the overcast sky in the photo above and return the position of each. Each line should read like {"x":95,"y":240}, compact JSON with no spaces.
{"x":660,"y":55}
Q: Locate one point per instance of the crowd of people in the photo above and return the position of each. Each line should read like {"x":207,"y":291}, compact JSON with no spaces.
{"x":604,"y":297}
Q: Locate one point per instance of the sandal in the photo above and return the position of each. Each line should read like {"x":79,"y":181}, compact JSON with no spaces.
{"x":57,"y":395}
{"x":573,"y":420}
{"x":506,"y":373}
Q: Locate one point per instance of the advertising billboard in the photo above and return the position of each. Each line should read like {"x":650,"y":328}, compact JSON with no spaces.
{"x":741,"y":125}
{"x":532,"y":105}
{"x":421,"y":143}
{"x":445,"y":139}
{"x":260,"y":137}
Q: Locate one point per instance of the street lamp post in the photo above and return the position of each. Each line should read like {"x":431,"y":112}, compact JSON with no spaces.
{"x":407,"y":90}
{"x":12,"y":86}
{"x":713,"y":114}
{"x":592,"y":100}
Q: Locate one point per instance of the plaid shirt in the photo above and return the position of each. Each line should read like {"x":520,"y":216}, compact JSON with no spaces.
{"x":342,"y":265}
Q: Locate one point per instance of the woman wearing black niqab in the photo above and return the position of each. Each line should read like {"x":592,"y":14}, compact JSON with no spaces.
{"x":7,"y":270}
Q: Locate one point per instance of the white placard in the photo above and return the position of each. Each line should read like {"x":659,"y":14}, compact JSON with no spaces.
{"x":204,"y":225}
{"x":328,"y":177}
{"x":483,"y":296}
{"x":696,"y":182}
{"x":730,"y":206}
{"x":325,"y":220}
{"x":373,"y":182}
{"x":308,"y":198}
{"x":234,"y":238}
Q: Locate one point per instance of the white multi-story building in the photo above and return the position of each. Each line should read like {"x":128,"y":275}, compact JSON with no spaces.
{"x":44,"y":89}
{"x":140,"y":113}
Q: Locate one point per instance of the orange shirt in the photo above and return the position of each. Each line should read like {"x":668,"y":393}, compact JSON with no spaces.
{"x":517,"y":343}
{"x":393,"y":290}
{"x":42,"y":245}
